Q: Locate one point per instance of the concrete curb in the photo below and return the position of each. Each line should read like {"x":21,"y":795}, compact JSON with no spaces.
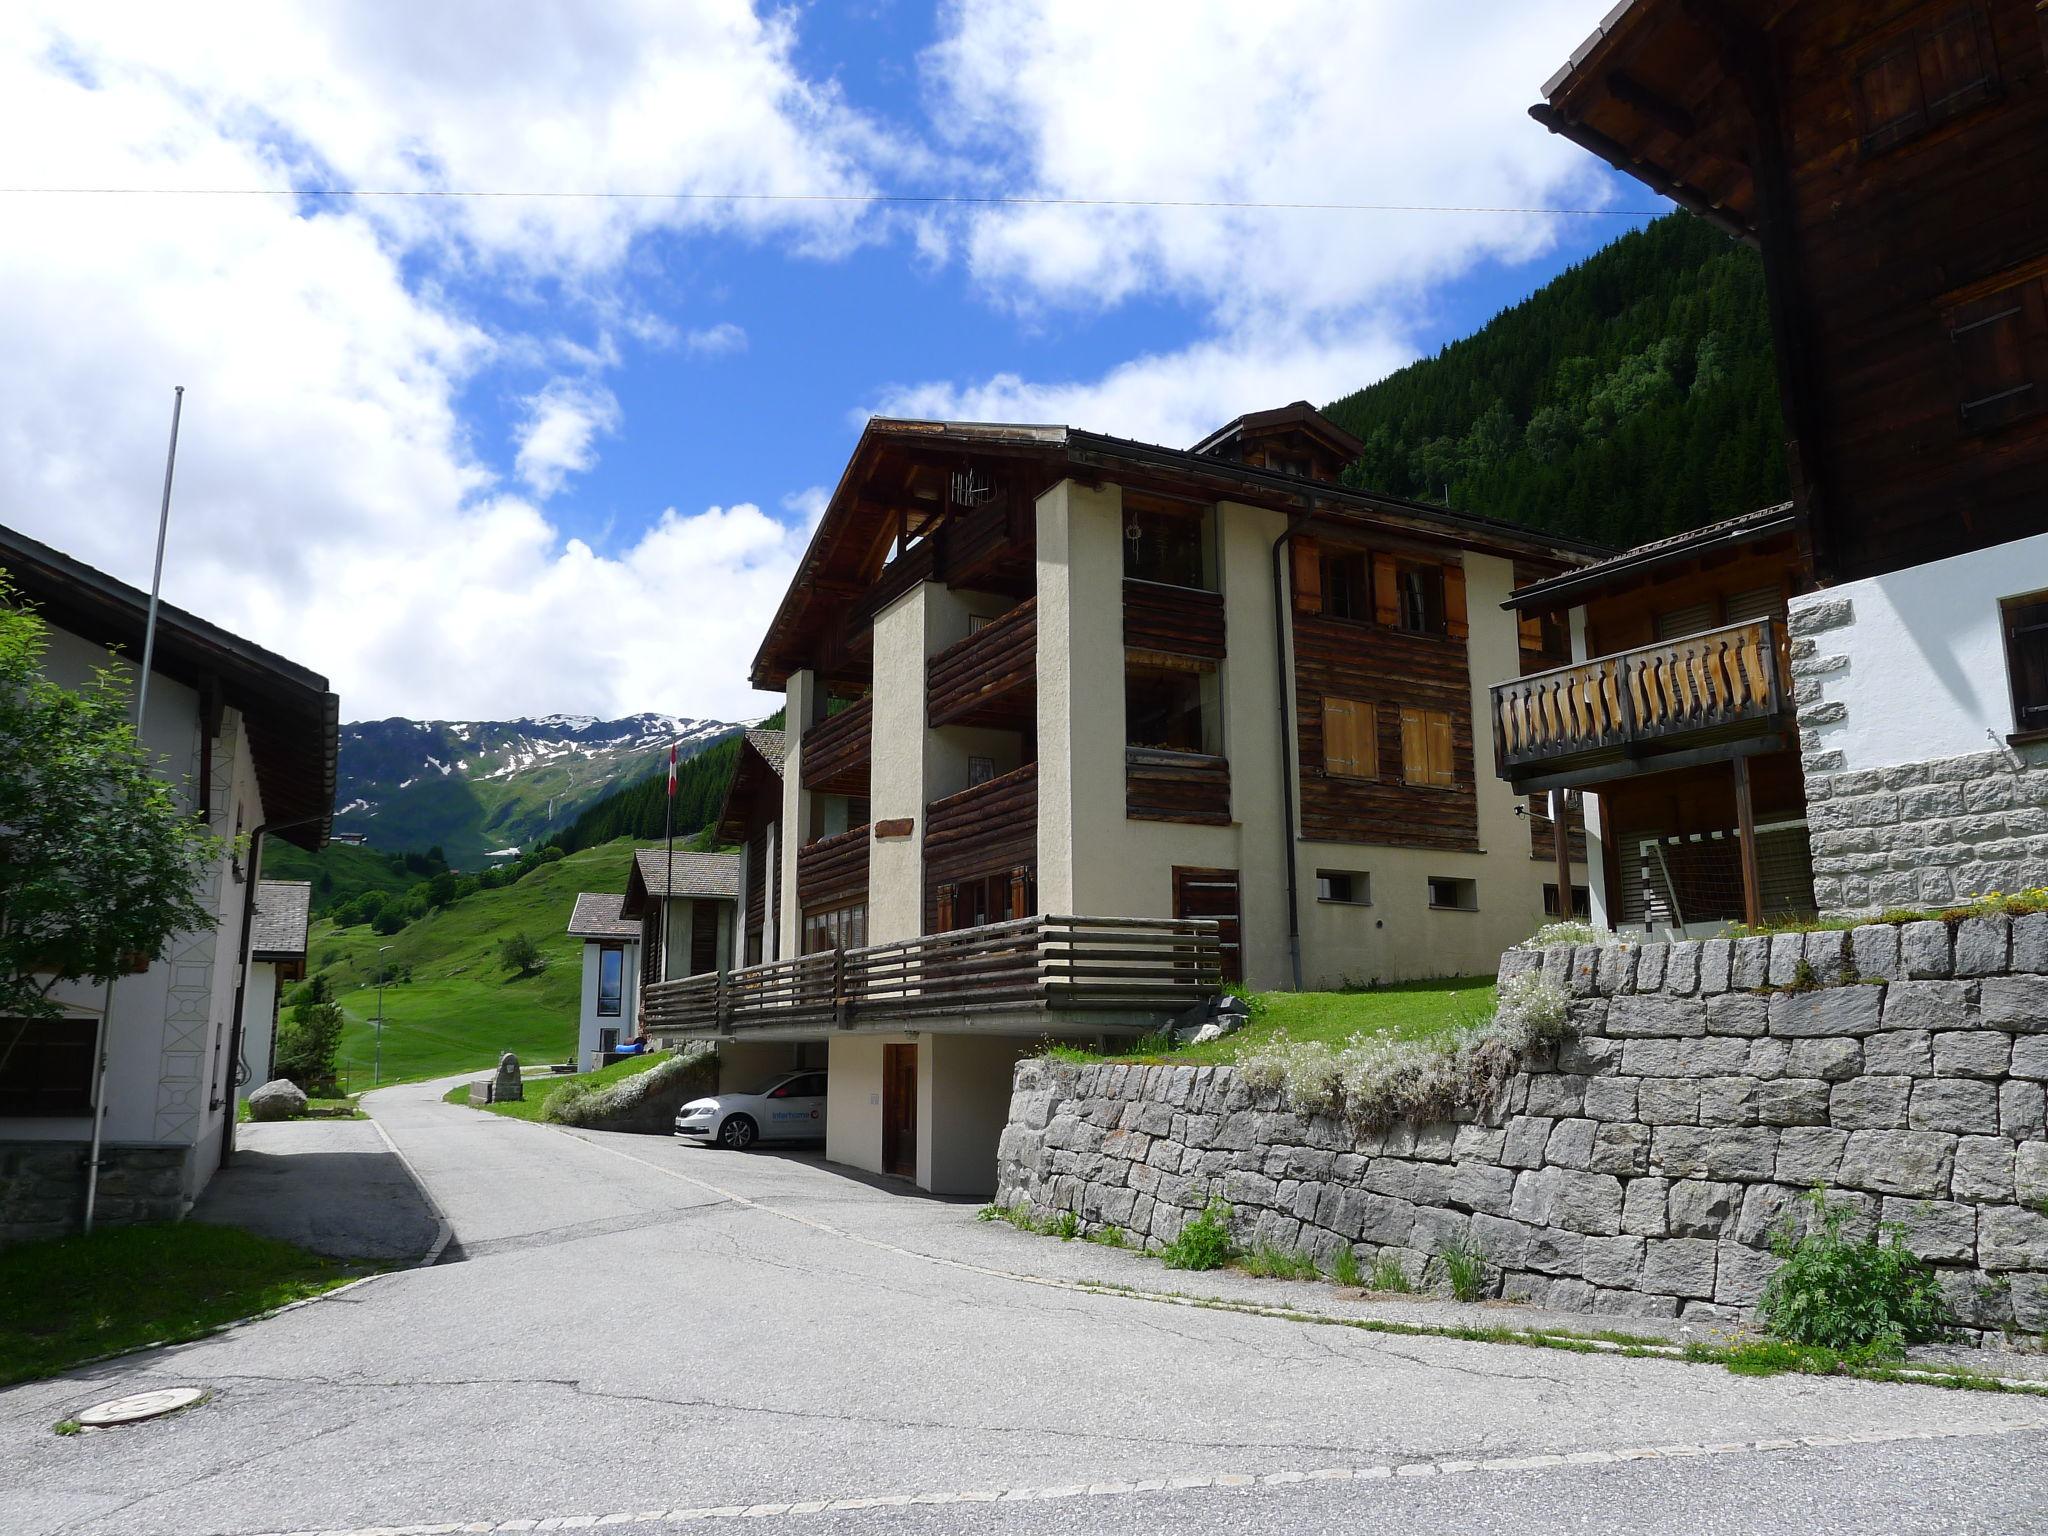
{"x":444,"y":1230}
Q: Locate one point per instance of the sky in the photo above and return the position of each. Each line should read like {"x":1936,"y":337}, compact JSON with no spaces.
{"x":487,"y":456}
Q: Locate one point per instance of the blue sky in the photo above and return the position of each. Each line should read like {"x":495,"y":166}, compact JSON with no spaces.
{"x":515,"y":455}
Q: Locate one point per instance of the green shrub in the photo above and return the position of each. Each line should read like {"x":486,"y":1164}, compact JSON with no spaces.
{"x":1388,"y":1275}
{"x":1204,"y":1242}
{"x":1109,"y":1237}
{"x":309,"y":1047}
{"x":1344,"y":1268}
{"x":1872,"y":1295}
{"x":1256,"y":1004}
{"x":1466,"y":1272}
{"x":1066,"y":1226}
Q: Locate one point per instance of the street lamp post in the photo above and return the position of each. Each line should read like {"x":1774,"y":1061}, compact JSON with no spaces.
{"x":383,"y":970}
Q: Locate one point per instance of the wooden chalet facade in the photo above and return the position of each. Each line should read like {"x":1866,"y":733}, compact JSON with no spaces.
{"x":1889,"y":158}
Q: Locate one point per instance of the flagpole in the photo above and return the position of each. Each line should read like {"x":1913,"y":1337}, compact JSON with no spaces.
{"x":156,"y":582}
{"x":668,"y":883}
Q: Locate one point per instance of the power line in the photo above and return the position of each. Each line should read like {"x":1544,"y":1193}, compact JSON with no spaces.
{"x":955,"y":198}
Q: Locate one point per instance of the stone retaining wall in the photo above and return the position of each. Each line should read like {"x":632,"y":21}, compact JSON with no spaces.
{"x":42,"y":1187}
{"x":1639,"y":1171}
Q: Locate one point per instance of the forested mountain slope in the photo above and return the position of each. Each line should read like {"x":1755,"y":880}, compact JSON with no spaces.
{"x":1632,"y":397}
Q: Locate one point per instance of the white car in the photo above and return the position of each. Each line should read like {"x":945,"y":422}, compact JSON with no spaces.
{"x":788,"y":1107}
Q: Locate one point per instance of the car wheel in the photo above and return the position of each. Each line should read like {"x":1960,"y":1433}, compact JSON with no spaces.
{"x":737,"y":1133}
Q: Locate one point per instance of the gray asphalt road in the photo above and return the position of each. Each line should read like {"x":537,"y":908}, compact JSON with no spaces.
{"x":637,"y":1331}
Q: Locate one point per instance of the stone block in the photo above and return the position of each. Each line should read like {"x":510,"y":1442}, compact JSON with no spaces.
{"x":1899,"y":1053}
{"x":2020,"y":1111}
{"x":1614,"y":1262}
{"x":1706,"y":1057}
{"x":2029,"y":1298}
{"x":1553,"y":1251}
{"x":1924,"y":951}
{"x":1585,"y":972}
{"x":1680,"y":1266}
{"x":1610,"y":1098}
{"x":2030,"y":1173}
{"x":1703,"y":1152}
{"x":1940,"y":1231}
{"x":1875,"y":949}
{"x":1668,"y":1101}
{"x":1985,"y":1053}
{"x":2011,"y":1237}
{"x":1741,"y":1273}
{"x":1587,"y":1202}
{"x":1643,"y":1207}
{"x":1435,"y":1142}
{"x":1616,"y":970}
{"x":1827,"y":951}
{"x":1419,"y":1183}
{"x":1830,"y":1012}
{"x":1743,"y":1014}
{"x":2016,"y":1004}
{"x":1792,"y":1101}
{"x":1633,"y":1304}
{"x":1436,"y":1230}
{"x":1682,"y":968}
{"x":1650,"y":962}
{"x":1499,"y":1241}
{"x":1898,"y":1162}
{"x":1384,"y":1220}
{"x":1728,"y":1101}
{"x":1655,"y":1017}
{"x":1716,"y":960}
{"x":1479,"y":1143}
{"x":1765,"y":1208}
{"x":1556,"y":1093}
{"x":1983,"y":1169}
{"x":1570,"y":1144}
{"x":1749,"y":964}
{"x":1833,"y":1061}
{"x":2030,"y":1057}
{"x":1621,"y":1149}
{"x":1527,"y":1135}
{"x":1870,"y":1103}
{"x":1816,"y":614}
{"x":1983,"y":946}
{"x":1253,"y":1191}
{"x":1788,"y":954}
{"x":1702,"y":1207}
{"x":1482,"y":1187}
{"x":2030,"y":942}
{"x":1959,"y":1104}
{"x":1767,"y":1059}
{"x":1589,"y":1056}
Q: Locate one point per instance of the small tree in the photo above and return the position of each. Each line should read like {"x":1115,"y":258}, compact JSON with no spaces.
{"x":309,"y":1045}
{"x":521,"y":956}
{"x":99,"y":864}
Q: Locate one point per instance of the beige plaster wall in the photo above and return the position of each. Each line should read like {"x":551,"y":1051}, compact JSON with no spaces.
{"x":798,"y":699}
{"x":963,"y":1104}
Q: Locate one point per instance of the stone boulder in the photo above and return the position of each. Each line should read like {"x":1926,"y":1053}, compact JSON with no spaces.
{"x":278,"y":1099}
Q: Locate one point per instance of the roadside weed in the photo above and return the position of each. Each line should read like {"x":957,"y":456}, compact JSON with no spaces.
{"x":1344,"y":1268}
{"x":1466,"y":1271}
{"x":1872,"y":1297}
{"x":1204,"y":1242}
{"x":1066,"y":1226}
{"x":1268,"y":1262}
{"x":1109,"y":1237}
{"x":1388,"y":1275}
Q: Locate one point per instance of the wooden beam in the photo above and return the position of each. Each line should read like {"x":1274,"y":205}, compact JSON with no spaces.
{"x":1631,"y":92}
{"x":1560,"y":813}
{"x":1745,"y":829}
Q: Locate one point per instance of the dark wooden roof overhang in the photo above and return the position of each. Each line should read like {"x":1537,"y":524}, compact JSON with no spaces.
{"x":1649,"y":563}
{"x":1658,"y":91}
{"x":294,"y":722}
{"x":754,"y":779}
{"x":1299,"y":416}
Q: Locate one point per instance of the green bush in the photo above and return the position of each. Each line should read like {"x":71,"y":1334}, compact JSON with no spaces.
{"x":309,"y":1046}
{"x":1873,"y":1295}
{"x":1204,"y":1243}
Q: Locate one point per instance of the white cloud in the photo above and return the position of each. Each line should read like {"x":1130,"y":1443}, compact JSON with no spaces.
{"x":558,"y":436}
{"x":717,"y":340}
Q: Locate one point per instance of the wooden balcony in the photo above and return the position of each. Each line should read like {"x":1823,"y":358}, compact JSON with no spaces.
{"x":990,"y":678}
{"x":1174,"y":621}
{"x":833,"y":870}
{"x":985,"y":830}
{"x":834,"y":752}
{"x":1705,"y":698}
{"x":1113,"y":974}
{"x":1176,"y":786}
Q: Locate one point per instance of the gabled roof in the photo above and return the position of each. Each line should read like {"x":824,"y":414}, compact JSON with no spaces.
{"x":1575,"y":587}
{"x":1299,"y":416}
{"x":758,"y":772}
{"x":707,"y":875}
{"x":277,"y":928}
{"x":596,"y":916}
{"x":293,"y":720}
{"x":770,"y":747}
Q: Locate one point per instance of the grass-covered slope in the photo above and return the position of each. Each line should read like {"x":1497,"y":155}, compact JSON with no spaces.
{"x":341,"y":871}
{"x":461,"y":1009}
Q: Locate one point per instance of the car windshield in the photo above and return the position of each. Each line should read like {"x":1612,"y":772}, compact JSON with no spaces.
{"x":769,"y":1085}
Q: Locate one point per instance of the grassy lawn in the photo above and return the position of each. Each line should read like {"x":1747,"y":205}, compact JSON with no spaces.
{"x":344,"y":1108}
{"x":71,"y":1299}
{"x":538,"y":1089}
{"x":462,"y":1010}
{"x":1406,"y":1011}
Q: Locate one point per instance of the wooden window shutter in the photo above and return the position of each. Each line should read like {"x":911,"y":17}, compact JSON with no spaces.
{"x":1308,"y":575}
{"x":2001,"y":352}
{"x":1426,"y":755}
{"x":1386,"y":594}
{"x":1455,"y":624}
{"x":1529,"y":629}
{"x":1348,"y":738}
{"x":1441,"y":762}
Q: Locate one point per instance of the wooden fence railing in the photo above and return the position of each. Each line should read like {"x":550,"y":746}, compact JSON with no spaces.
{"x":1724,"y":678}
{"x":834,"y":754}
{"x":1152,"y":966}
{"x":988,"y":678}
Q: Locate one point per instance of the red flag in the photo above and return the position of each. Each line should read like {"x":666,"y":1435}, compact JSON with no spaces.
{"x":671,"y":770}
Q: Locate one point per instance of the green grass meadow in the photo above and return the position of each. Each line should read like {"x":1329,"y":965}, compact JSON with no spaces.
{"x":462,"y":1009}
{"x":538,"y":1088}
{"x":1410,"y":1010}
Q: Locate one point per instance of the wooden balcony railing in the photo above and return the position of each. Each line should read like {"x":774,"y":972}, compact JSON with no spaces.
{"x":834,"y":752}
{"x":990,"y":677}
{"x":1717,"y":687}
{"x":1176,"y":786}
{"x":1181,"y":621}
{"x":983,"y":830}
{"x":834,"y":869}
{"x":1126,"y":971}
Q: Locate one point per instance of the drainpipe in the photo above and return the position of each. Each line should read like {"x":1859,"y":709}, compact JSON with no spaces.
{"x":1280,"y":615}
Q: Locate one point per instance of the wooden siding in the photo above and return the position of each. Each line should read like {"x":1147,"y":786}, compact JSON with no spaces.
{"x":1176,"y":786}
{"x":834,"y":752}
{"x":1180,"y":621}
{"x":989,"y":678}
{"x":1217,"y":895}
{"x":757,"y":883}
{"x":833,"y":870}
{"x":1391,"y":670}
{"x":989,"y":829}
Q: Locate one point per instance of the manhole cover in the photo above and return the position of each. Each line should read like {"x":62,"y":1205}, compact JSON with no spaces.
{"x":139,"y":1406}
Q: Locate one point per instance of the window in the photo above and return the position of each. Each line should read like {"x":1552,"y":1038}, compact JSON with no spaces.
{"x":1453,"y":895}
{"x":611,"y":979}
{"x":46,"y":1066}
{"x":1678,"y":623}
{"x":980,"y":770}
{"x":1545,"y":638}
{"x":2000,"y":343}
{"x":1347,"y":586}
{"x":1351,"y":886}
{"x":1167,"y":542}
{"x":1426,"y":748}
{"x":1350,"y":744}
{"x":836,"y":928}
{"x":607,"y":1040}
{"x":2026,"y":659}
{"x":1168,"y":707}
{"x":1582,"y":902}
{"x":1924,"y":78}
{"x":1419,"y":597}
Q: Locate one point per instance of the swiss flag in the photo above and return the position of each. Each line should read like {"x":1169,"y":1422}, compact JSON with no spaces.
{"x":671,"y":770}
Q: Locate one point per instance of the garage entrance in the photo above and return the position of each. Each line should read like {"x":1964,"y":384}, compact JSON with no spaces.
{"x":899,"y":1110}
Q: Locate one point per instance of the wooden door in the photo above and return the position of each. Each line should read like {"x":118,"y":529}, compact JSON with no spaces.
{"x":899,"y":1110}
{"x":1214,"y":893}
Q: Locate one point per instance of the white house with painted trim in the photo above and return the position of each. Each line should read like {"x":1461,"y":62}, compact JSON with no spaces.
{"x":610,"y":1009}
